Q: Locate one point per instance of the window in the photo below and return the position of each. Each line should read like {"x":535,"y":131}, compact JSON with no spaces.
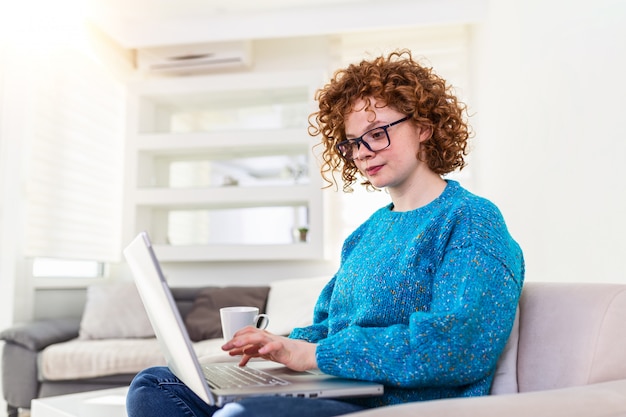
{"x":74,"y":162}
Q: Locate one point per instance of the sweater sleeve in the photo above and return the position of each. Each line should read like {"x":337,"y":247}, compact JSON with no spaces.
{"x":456,"y":342}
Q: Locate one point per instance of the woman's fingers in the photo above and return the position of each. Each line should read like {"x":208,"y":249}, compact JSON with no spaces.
{"x":251,"y":342}
{"x":246,"y":336}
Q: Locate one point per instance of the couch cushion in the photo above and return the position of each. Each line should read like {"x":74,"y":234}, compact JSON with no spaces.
{"x":185,"y":297}
{"x":571,"y":334}
{"x":203,"y":321}
{"x":291,"y":302}
{"x":113,"y":311}
{"x":78,"y":359}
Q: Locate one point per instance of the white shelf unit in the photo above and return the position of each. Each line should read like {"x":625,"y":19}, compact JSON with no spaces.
{"x":243,"y":123}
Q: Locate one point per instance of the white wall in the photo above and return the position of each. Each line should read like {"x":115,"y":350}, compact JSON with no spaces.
{"x":550,"y":92}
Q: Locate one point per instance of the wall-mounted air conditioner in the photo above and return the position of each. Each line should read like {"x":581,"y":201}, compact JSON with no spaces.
{"x":195,"y":59}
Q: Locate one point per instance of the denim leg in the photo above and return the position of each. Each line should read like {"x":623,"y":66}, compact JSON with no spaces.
{"x":286,"y":407}
{"x":157,"y":392}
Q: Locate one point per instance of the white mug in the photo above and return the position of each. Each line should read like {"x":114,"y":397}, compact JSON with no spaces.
{"x":236,"y":318}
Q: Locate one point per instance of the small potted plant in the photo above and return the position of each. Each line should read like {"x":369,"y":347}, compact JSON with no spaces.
{"x":303,"y":231}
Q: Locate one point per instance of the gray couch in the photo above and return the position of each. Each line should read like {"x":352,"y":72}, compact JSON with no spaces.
{"x":566,"y":355}
{"x":21,"y":379}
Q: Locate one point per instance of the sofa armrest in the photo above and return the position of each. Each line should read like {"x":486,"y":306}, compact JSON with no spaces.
{"x":38,"y":334}
{"x":595,"y":400}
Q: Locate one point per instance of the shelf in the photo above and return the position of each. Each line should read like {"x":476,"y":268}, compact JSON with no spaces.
{"x":236,"y":143}
{"x":222,"y":167}
{"x":222,"y":103}
{"x":170,"y":89}
{"x":296,"y":251}
{"x":223,"y":197}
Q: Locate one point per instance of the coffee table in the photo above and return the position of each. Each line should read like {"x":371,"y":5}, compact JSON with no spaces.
{"x":102,"y":403}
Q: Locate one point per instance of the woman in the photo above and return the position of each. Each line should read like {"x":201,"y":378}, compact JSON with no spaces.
{"x":426,"y":293}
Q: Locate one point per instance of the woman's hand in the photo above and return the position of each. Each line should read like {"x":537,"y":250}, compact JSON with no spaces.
{"x":251,"y":342}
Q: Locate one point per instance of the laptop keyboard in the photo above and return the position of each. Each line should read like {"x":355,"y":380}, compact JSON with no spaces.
{"x":234,"y":376}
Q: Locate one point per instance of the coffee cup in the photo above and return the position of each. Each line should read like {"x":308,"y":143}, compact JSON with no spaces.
{"x":236,"y":318}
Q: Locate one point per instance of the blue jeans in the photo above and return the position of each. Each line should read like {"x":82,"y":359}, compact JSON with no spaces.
{"x":156,"y":392}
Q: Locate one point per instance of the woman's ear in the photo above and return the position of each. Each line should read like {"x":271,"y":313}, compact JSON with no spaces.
{"x":425,"y":133}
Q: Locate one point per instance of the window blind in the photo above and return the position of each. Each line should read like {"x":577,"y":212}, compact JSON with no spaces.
{"x":75,"y":160}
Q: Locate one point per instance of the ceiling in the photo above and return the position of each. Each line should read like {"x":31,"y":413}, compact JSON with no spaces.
{"x":151,"y":23}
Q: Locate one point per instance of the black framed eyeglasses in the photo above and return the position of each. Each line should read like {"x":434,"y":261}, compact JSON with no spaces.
{"x":375,"y":140}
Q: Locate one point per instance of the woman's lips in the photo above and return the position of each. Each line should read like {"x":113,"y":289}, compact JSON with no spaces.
{"x":373,"y":170}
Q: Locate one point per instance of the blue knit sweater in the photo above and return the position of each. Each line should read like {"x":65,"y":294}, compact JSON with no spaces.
{"x":423,"y":301}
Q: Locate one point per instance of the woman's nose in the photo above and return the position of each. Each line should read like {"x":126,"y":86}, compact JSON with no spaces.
{"x":363,"y":152}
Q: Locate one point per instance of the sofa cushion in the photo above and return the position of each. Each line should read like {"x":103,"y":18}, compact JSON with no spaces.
{"x":291,"y":302}
{"x":571,"y":334}
{"x":113,"y":311}
{"x":203,"y":321}
{"x":79,"y":359}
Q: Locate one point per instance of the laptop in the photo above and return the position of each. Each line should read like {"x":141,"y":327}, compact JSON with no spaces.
{"x":213,"y":382}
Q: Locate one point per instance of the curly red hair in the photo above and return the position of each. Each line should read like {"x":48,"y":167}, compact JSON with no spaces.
{"x":401,"y":83}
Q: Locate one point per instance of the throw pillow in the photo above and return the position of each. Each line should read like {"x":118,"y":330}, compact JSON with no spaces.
{"x":114,"y":311}
{"x":203,"y":321}
{"x":291,"y":303}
